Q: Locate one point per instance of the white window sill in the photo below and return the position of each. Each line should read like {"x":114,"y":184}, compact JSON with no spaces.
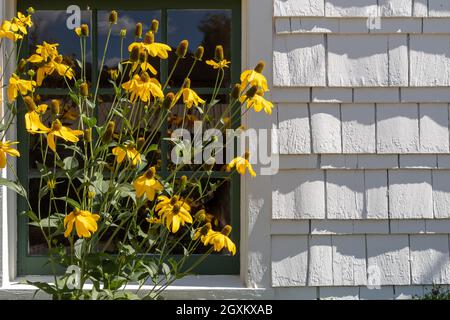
{"x":192,"y":287}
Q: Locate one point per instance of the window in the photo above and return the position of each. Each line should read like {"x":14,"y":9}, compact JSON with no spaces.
{"x":199,"y":21}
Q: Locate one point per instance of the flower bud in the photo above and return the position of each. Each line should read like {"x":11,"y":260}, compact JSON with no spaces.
{"x":226,"y":230}
{"x":183,"y":182}
{"x":168,"y":101}
{"x":260,"y":67}
{"x":182,"y":48}
{"x":200,"y":216}
{"x":251,"y":92}
{"x":236,"y":92}
{"x":134,"y":54}
{"x":205,"y":229}
{"x":37,"y":98}
{"x":150,"y":173}
{"x":155,"y":26}
{"x":123,"y":33}
{"x":31,"y":73}
{"x":113,"y":17}
{"x":138,"y":30}
{"x":29,"y":103}
{"x":21,"y":65}
{"x":149,"y":38}
{"x":84,"y":89}
{"x":218,"y":54}
{"x":142,"y":56}
{"x":187,"y":83}
{"x":51,"y":184}
{"x":247,"y":155}
{"x":140,"y":143}
{"x":198,"y":55}
{"x":54,"y":106}
{"x":91,"y":195}
{"x":30,"y":10}
{"x":88,"y":135}
{"x":107,"y":137}
{"x":84,"y":30}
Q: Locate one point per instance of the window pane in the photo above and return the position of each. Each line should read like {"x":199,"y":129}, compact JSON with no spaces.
{"x":127,"y":20}
{"x":200,"y":27}
{"x":51,"y":26}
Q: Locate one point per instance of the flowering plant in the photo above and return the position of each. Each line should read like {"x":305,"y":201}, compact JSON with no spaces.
{"x":120,"y":220}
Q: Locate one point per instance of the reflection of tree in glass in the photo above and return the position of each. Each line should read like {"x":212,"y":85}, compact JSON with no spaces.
{"x":217,"y":30}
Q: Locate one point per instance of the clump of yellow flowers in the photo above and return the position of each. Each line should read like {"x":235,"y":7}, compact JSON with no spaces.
{"x":108,"y":196}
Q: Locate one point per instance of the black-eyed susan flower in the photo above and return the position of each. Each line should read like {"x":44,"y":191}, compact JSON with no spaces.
{"x":255,"y":77}
{"x":203,"y":232}
{"x":55,"y":65}
{"x":17,"y":85}
{"x":65,"y":133}
{"x":242,"y":164}
{"x":6,"y":32}
{"x":190,"y":97}
{"x":148,"y":184}
{"x":85,"y":223}
{"x":33,"y":122}
{"x":143,"y":87}
{"x":129,"y":151}
{"x":257,"y":101}
{"x":173,"y":212}
{"x":44,"y":52}
{"x":153,"y":48}
{"x":5,"y":148}
{"x":220,"y":240}
{"x":218,"y":65}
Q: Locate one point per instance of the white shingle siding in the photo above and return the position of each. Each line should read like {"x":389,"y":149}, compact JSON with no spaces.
{"x":358,"y":128}
{"x":294,"y":135}
{"x":298,"y":7}
{"x":299,"y":195}
{"x":438,"y":8}
{"x":320,"y":272}
{"x":351,"y":8}
{"x":349,"y":261}
{"x":388,"y":257}
{"x":395,"y":8}
{"x":296,"y":58}
{"x":410,"y":194}
{"x":430,"y":259}
{"x":326,"y":128}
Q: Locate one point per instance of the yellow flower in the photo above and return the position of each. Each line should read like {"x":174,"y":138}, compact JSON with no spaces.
{"x":66,"y":133}
{"x":52,"y":66}
{"x":241,"y":164}
{"x":24,"y":20}
{"x":173,"y":212}
{"x":203,"y":232}
{"x":5,"y":148}
{"x":221,"y":240}
{"x":164,"y":202}
{"x":254,"y":78}
{"x":218,"y":65}
{"x":44,"y":52}
{"x":258,"y":102}
{"x":153,"y":48}
{"x":190,"y":97}
{"x":78,"y":31}
{"x":143,"y":87}
{"x":17,"y":85}
{"x":153,"y":220}
{"x":85,"y":223}
{"x":33,"y":123}
{"x":129,"y":151}
{"x":51,"y":184}
{"x":5,"y":32}
{"x":148,"y":184}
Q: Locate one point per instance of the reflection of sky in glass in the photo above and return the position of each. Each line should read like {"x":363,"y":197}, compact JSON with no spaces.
{"x":127,"y":20}
{"x":50,"y":26}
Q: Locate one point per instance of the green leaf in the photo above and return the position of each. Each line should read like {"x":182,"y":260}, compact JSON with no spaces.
{"x":74,"y":98}
{"x":16,"y":187}
{"x":31,"y":215}
{"x":50,"y":222}
{"x":70,"y":163}
{"x":70,"y":201}
{"x":89,"y":122}
{"x":78,"y":246}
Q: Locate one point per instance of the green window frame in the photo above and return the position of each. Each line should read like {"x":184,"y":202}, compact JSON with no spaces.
{"x":214,"y":264}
